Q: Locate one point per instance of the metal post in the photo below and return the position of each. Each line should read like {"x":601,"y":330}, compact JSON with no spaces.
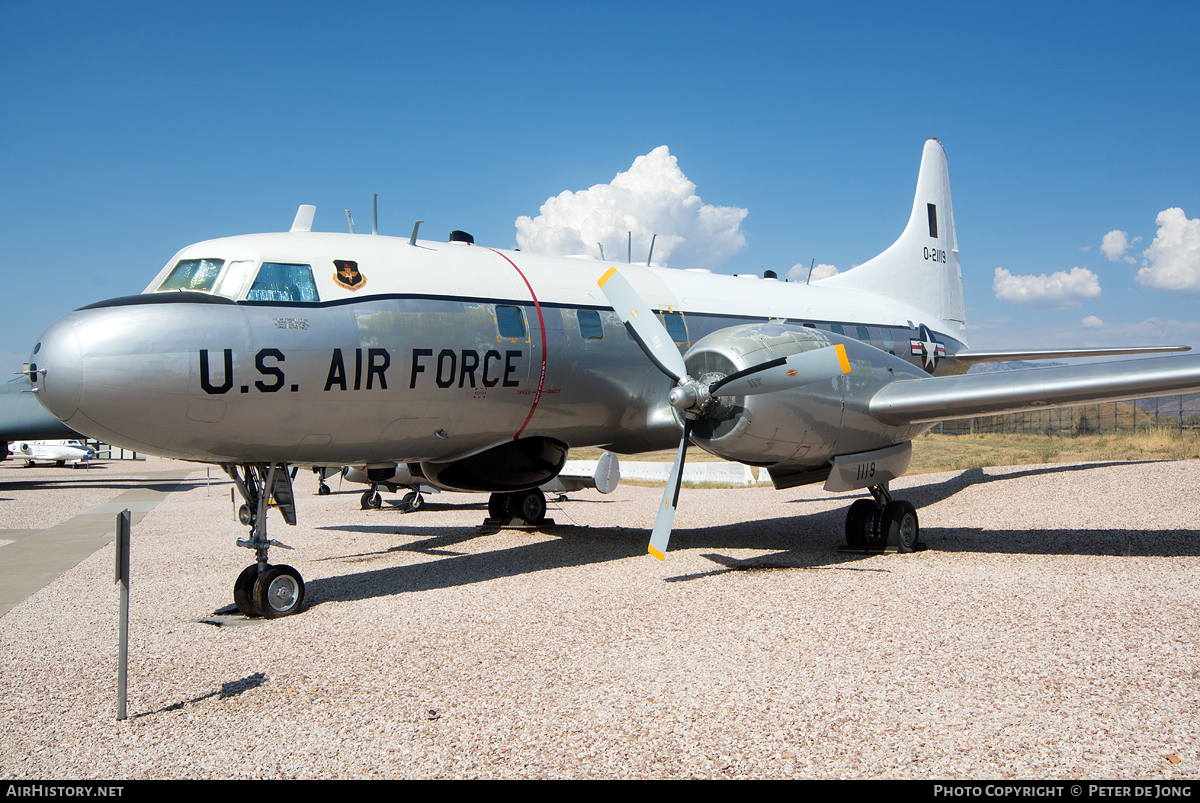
{"x":122,"y":577}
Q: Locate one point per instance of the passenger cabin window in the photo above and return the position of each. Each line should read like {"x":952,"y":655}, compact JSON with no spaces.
{"x":837,"y":329}
{"x":284,"y":283}
{"x":510,"y":321}
{"x":192,"y":274}
{"x":676,"y":328}
{"x":888,"y":343}
{"x":864,"y":335}
{"x":590,"y":327}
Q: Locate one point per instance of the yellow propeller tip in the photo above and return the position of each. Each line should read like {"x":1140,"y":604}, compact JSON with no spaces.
{"x":656,"y":553}
{"x":608,"y":275}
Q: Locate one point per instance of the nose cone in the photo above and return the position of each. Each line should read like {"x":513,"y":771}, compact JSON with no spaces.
{"x":58,"y":370}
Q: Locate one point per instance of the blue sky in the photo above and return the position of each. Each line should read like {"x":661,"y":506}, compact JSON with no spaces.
{"x":132,"y":130}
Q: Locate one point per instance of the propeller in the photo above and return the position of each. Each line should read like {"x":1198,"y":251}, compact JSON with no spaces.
{"x":694,"y":398}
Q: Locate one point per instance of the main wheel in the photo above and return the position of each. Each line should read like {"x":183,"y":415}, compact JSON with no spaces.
{"x":243,"y":591}
{"x":371,"y":500}
{"x":279,"y":591}
{"x":531,"y":506}
{"x":498,"y":507}
{"x":322,"y":490}
{"x":860,"y":520}
{"x":899,"y":524}
{"x":412,"y":501}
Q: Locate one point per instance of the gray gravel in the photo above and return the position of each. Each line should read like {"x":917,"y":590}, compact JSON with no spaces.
{"x":1049,"y":632}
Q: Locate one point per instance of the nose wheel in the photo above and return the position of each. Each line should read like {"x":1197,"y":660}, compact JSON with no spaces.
{"x":276,"y":592}
{"x":264,"y":590}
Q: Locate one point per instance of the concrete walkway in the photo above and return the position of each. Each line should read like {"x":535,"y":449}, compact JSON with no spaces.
{"x":36,"y":557}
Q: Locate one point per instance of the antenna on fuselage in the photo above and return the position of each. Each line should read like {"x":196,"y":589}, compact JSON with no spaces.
{"x":413,"y":240}
{"x":810,"y":268}
{"x":375,"y":213}
{"x":652,"y":239}
{"x":350,"y":220}
{"x":629,"y":256}
{"x":601,"y":247}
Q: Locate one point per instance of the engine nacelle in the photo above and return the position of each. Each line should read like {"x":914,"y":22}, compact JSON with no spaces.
{"x":512,"y":466}
{"x":797,"y":426}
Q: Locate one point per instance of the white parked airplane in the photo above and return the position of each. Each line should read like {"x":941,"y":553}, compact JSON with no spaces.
{"x":477,"y":369}
{"x":58,"y":452}
{"x":604,"y":475}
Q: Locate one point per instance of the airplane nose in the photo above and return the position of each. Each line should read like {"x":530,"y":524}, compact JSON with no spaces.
{"x":56,"y":366}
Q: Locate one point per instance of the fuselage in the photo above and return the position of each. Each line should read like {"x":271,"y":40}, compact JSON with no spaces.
{"x":326,"y":349}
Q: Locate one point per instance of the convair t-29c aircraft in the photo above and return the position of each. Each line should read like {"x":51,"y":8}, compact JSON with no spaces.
{"x":478,"y":368}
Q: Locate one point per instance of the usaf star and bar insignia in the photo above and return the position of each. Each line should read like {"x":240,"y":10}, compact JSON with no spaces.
{"x":923,"y":345}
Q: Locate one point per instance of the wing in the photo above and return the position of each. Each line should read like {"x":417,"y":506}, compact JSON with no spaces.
{"x":971,"y":357}
{"x":918,"y":401}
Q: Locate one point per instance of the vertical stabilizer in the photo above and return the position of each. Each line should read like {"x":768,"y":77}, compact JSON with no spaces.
{"x":921,"y":268}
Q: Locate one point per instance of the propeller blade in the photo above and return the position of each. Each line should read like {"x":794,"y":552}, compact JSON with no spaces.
{"x":643,"y":324}
{"x":785,"y":373}
{"x":666,"y":511}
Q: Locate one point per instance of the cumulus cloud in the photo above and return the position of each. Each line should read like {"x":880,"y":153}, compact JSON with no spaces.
{"x":1116,"y":243}
{"x":1092,"y":322}
{"x":799,"y":272}
{"x":1173,"y":259}
{"x":652,"y":197}
{"x":1060,"y":289}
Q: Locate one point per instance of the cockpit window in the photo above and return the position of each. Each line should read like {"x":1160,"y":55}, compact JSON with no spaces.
{"x":192,"y":274}
{"x":234,"y":277}
{"x":280,"y":282}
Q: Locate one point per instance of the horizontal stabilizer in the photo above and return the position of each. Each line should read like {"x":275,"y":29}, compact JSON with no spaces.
{"x":972,"y":357}
{"x":919,"y":401}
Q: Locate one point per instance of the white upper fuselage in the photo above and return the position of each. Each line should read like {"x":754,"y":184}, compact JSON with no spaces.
{"x":391,"y":265}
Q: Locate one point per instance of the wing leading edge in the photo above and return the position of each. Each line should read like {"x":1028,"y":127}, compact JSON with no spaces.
{"x":919,"y":401}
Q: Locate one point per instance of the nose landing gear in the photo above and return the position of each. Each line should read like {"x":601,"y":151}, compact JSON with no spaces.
{"x":263,"y":589}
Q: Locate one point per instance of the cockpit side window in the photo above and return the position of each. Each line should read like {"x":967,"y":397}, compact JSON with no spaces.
{"x":286,"y":283}
{"x":234,"y":277}
{"x":192,"y":274}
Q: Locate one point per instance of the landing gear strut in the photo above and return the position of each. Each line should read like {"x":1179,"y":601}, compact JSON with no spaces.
{"x":263,"y":589}
{"x":529,"y":506}
{"x":875,"y":524}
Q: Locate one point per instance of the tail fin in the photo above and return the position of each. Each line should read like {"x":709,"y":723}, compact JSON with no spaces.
{"x":921,"y":268}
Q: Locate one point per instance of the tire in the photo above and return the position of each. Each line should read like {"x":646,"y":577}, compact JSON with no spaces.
{"x":412,"y":502}
{"x":243,"y":591}
{"x":899,"y":525}
{"x":858,"y":518}
{"x":278,"y":592}
{"x":498,"y":506}
{"x":322,"y":490}
{"x":371,"y":500}
{"x":531,"y":506}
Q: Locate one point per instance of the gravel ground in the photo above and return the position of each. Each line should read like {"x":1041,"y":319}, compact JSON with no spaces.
{"x":1049,"y":631}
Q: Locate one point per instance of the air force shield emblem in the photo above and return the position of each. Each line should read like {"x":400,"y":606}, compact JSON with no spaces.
{"x":347,"y":275}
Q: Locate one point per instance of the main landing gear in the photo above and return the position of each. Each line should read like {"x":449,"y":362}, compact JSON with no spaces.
{"x":529,"y":506}
{"x":263,"y":589}
{"x":875,"y":524}
{"x":371,"y":499}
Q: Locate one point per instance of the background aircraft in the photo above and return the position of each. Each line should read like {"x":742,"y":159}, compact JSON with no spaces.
{"x":477,"y":368}
{"x":604,"y":475}
{"x":58,"y":452}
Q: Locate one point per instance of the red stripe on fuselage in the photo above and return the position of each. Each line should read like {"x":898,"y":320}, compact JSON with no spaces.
{"x":542,"y":328}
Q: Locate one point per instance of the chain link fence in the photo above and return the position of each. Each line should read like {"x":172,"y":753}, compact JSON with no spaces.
{"x":1178,"y":413}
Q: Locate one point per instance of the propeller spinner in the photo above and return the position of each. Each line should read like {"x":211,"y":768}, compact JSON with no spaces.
{"x":694,"y":398}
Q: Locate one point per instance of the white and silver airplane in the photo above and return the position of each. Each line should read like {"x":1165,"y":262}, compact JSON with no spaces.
{"x":604,"y":475}
{"x":478,"y":368}
{"x":60,"y":453}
